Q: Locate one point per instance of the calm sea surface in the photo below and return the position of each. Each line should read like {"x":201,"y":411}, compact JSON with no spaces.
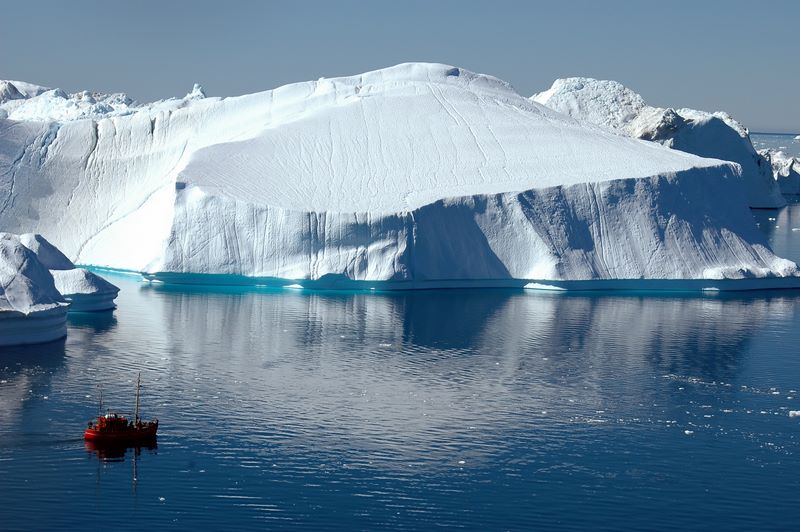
{"x":481,"y":409}
{"x":785,"y":143}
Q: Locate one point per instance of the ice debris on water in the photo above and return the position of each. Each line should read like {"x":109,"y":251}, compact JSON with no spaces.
{"x":794,"y":413}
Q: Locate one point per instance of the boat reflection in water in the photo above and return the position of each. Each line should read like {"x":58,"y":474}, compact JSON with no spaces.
{"x":118,"y":453}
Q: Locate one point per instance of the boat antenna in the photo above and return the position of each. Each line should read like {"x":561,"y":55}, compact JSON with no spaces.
{"x":138,"y":386}
{"x":100,"y":406}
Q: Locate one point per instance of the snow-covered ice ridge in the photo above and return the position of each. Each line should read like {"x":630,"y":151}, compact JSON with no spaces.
{"x":414,"y":176}
{"x":618,"y":108}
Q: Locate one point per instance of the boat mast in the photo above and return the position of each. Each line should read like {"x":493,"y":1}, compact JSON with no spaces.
{"x":100,"y":406}
{"x":138,"y":385}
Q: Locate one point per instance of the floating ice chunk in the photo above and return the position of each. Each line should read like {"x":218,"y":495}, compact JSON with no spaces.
{"x":84,"y":290}
{"x":31,"y":309}
{"x":794,"y":413}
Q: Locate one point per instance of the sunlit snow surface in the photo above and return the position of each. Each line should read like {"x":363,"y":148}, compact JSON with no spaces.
{"x":478,"y":409}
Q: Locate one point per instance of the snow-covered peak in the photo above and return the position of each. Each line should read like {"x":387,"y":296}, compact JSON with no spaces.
{"x":8,"y":91}
{"x":603,"y":102}
{"x":49,"y":255}
{"x":196,"y":93}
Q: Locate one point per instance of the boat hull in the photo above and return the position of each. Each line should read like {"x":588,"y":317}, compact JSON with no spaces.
{"x":135,"y":435}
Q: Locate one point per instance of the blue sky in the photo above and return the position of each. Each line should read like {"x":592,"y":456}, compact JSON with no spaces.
{"x":741,"y":57}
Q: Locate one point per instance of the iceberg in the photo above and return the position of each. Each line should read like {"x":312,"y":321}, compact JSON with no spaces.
{"x":613,"y":106}
{"x":84,"y":290}
{"x":31,"y":309}
{"x":415,"y":176}
{"x":785,"y":168}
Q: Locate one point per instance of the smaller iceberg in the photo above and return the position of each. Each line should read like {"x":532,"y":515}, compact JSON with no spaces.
{"x":86,"y":291}
{"x":31,"y":308}
{"x":786,"y":170}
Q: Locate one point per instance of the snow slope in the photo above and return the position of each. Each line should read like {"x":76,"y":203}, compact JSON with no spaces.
{"x":31,"y":309}
{"x":417,"y":175}
{"x":616,"y":107}
{"x":786,"y":170}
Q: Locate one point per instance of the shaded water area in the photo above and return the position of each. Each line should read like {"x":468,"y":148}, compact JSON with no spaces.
{"x":490,"y":409}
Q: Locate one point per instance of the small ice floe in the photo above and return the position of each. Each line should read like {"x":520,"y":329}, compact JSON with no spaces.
{"x":461,"y":462}
{"x":794,"y":413}
{"x":162,"y":499}
{"x":688,"y":432}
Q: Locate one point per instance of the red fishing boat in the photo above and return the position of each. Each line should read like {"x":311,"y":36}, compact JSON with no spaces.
{"x":116,"y":429}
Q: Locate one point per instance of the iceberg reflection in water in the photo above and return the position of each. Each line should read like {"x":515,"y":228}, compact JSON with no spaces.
{"x":476,"y":408}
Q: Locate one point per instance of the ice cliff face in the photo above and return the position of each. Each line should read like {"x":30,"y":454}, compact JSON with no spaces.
{"x":616,"y":107}
{"x":416,"y":175}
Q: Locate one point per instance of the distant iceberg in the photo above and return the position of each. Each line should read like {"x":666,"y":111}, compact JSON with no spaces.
{"x":786,"y":170}
{"x":415,"y":176}
{"x":618,"y":108}
{"x":31,"y":309}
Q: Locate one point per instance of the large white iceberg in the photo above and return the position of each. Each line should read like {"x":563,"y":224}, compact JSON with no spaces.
{"x":414,"y":176}
{"x":31,"y":309}
{"x":785,"y":168}
{"x":618,"y":108}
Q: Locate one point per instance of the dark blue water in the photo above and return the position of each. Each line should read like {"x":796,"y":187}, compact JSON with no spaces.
{"x":474,"y":409}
